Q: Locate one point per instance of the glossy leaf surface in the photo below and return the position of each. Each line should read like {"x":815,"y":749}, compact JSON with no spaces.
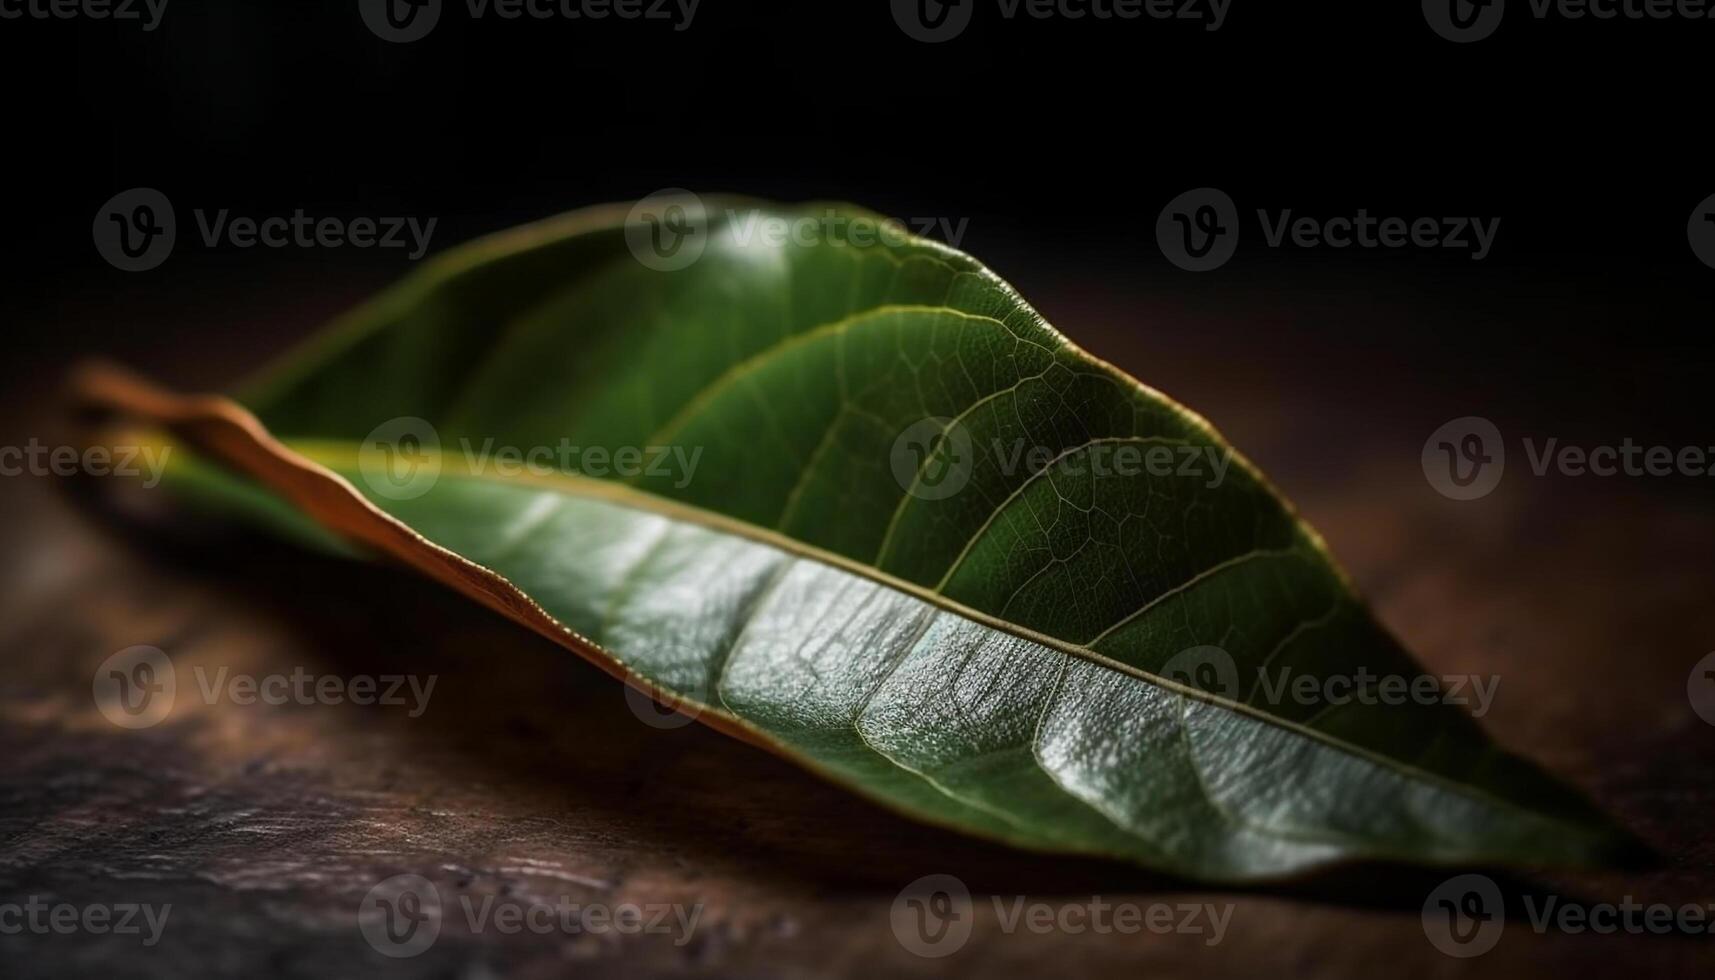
{"x":983,"y":619}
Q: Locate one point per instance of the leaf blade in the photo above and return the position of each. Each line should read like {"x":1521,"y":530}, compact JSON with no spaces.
{"x":1243,"y":568}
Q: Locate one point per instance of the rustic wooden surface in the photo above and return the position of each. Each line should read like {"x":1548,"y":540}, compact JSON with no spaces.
{"x":529,"y":776}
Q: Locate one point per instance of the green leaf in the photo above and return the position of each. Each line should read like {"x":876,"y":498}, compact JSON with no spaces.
{"x":1065,"y":656}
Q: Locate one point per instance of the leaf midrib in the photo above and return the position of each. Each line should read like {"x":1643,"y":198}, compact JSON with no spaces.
{"x":342,"y":455}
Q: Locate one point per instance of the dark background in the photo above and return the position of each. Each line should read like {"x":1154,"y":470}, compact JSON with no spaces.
{"x":1060,"y":142}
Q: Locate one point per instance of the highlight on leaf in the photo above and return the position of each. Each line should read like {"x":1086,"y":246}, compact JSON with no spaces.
{"x":856,"y":502}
